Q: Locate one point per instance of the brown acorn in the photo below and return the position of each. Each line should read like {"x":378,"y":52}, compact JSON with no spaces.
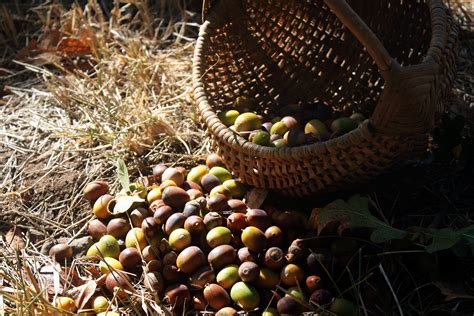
{"x":154,"y":282}
{"x":175,"y":221}
{"x":154,"y":265}
{"x":150,"y":253}
{"x":191,"y":208}
{"x":175,"y":197}
{"x":274,"y":258}
{"x":258,"y":218}
{"x":178,"y":296}
{"x":237,"y":206}
{"x":171,"y":274}
{"x":61,"y":252}
{"x":162,"y":214}
{"x":213,"y":219}
{"x":130,"y":258}
{"x":227,"y":311}
{"x":159,"y":169}
{"x":96,"y":229}
{"x":118,"y":281}
{"x":202,"y":276}
{"x":214,"y":160}
{"x":245,"y":254}
{"x":287,"y":305}
{"x":95,"y":189}
{"x":221,"y":256}
{"x":249,"y":271}
{"x":170,"y":258}
{"x":209,"y":182}
{"x":199,"y":302}
{"x":313,"y":283}
{"x":194,"y":224}
{"x":217,"y":203}
{"x":274,"y":236}
{"x":216,"y":296}
{"x":190,"y":259}
{"x":118,"y":227}
{"x":174,"y":175}
{"x":236,"y":222}
{"x":292,"y":275}
{"x":138,"y":215}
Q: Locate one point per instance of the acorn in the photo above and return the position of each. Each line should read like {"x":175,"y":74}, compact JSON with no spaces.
{"x":164,"y":246}
{"x":61,"y":252}
{"x":237,"y":206}
{"x":196,"y":173}
{"x":179,"y":239}
{"x":258,"y":218}
{"x":202,"y":276}
{"x":65,"y":303}
{"x":319,"y":263}
{"x":150,"y":253}
{"x":236,"y":222}
{"x":221,"y":256}
{"x":96,"y":229}
{"x":274,"y":258}
{"x":212,"y":220}
{"x":101,"y":206}
{"x":343,"y":307}
{"x":154,"y":265}
{"x":136,"y":238}
{"x":254,"y":238}
{"x":194,"y":195}
{"x":178,"y":296}
{"x":321,"y":297}
{"x":175,"y":197}
{"x":292,"y":275}
{"x":228,"y":276}
{"x":214,"y":160}
{"x":270,"y":311}
{"x":174,"y":222}
{"x":209,"y":182}
{"x":249,"y":271}
{"x":190,"y":259}
{"x":170,"y":258}
{"x":159,"y":169}
{"x":173,"y":174}
{"x":138,"y":215}
{"x":171,"y":274}
{"x":191,"y":208}
{"x":199,"y":302}
{"x":217,"y":203}
{"x":194,"y":224}
{"x":227,"y":311}
{"x":288,"y":306}
{"x":162,"y":214}
{"x":220,"y":189}
{"x":118,"y":227}
{"x":118,"y":281}
{"x":150,"y":227}
{"x":93,"y":190}
{"x":268,"y":278}
{"x":296,"y":251}
{"x":313,"y":283}
{"x":218,"y":236}
{"x":130,"y":258}
{"x":245,"y":295}
{"x":154,"y":282}
{"x":274,"y":236}
{"x":216,"y":296}
{"x":245,"y":254}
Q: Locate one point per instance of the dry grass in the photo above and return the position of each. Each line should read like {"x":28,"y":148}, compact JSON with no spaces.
{"x":65,"y":118}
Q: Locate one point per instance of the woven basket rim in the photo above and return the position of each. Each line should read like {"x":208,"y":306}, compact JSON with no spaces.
{"x":439,"y":37}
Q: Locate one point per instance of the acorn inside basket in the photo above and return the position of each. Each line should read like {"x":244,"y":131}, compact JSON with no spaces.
{"x":391,"y":60}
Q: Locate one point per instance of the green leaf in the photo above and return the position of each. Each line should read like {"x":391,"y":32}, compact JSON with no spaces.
{"x":355,"y":213}
{"x":126,"y":203}
{"x":443,"y":239}
{"x":122,"y":174}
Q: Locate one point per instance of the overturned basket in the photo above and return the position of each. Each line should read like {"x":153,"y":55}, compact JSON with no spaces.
{"x":392,"y":59}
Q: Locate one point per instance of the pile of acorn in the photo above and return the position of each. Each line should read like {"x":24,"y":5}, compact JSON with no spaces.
{"x":294,"y":125}
{"x":191,"y":241}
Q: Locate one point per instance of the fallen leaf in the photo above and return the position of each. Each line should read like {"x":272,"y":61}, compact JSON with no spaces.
{"x":452,"y":290}
{"x":49,"y":40}
{"x":127,"y":202}
{"x":14,"y":239}
{"x":69,"y":45}
{"x":255,"y":197}
{"x":82,"y":294}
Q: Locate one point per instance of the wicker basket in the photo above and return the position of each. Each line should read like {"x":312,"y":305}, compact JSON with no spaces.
{"x":391,"y":59}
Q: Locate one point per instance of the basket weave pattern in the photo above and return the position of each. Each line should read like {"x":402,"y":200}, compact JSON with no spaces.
{"x":391,"y":60}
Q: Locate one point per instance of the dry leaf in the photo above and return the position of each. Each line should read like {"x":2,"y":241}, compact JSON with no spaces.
{"x":82,"y":294}
{"x":69,"y":45}
{"x":14,"y":239}
{"x":49,"y":40}
{"x":255,"y":197}
{"x":51,"y":275}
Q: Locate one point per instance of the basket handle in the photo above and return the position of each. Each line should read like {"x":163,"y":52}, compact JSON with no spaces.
{"x":362,"y":32}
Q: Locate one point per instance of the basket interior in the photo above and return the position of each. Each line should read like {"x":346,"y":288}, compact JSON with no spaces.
{"x":286,"y":51}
